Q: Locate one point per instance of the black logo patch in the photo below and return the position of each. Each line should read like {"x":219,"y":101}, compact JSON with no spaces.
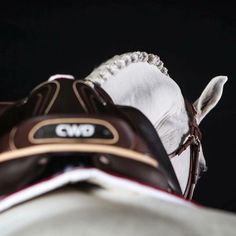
{"x":73,"y":131}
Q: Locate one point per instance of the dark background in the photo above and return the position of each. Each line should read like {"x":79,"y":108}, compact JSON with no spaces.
{"x":195,"y":41}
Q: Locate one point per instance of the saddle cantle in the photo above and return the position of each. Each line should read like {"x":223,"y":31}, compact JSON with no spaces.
{"x":65,"y":124}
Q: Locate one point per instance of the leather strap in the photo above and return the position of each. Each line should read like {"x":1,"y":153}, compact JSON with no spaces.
{"x":193,"y":140}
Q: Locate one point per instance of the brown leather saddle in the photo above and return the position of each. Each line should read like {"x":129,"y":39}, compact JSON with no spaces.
{"x":65,"y":124}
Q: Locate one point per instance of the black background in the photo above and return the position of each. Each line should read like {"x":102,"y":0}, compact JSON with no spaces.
{"x":195,"y":41}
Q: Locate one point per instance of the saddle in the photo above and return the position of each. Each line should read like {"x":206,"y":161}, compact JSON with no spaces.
{"x":66,"y":124}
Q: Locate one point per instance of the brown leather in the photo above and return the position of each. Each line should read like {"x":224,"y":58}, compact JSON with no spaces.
{"x":124,"y":142}
{"x":193,"y":141}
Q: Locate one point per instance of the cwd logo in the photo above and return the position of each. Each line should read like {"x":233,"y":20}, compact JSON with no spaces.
{"x":75,"y":130}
